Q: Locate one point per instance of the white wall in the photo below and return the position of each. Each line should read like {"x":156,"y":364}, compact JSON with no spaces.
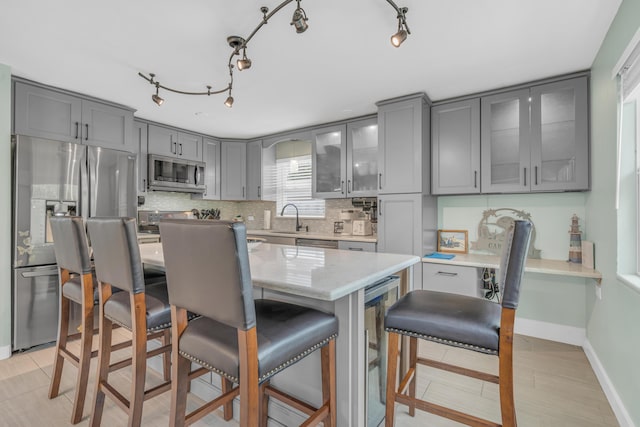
{"x":5,"y":211}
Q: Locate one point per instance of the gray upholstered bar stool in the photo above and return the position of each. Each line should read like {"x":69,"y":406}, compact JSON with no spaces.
{"x":245,"y":341}
{"x":142,"y":310}
{"x":462,"y":321}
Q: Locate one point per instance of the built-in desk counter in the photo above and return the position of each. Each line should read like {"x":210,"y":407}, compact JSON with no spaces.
{"x":543,"y":266}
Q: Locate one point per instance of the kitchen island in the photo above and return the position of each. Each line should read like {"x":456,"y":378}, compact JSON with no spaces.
{"x":328,"y":279}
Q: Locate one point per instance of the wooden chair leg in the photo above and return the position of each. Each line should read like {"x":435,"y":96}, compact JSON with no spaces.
{"x":392,"y":373}
{"x":328,"y":361}
{"x":179,"y":370}
{"x":264,"y":405}
{"x":227,"y":385}
{"x":139,"y":358}
{"x":413,"y":357}
{"x":86,"y":339}
{"x":58,"y":363}
{"x":507,"y":402}
{"x":104,"y":356}
{"x":166,"y":357}
{"x":249,"y":392}
{"x":63,"y":330}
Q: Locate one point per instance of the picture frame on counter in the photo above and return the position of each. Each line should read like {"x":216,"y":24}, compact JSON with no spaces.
{"x":453,"y":241}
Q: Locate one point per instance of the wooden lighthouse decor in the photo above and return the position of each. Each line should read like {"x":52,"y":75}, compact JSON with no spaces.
{"x":575,"y":241}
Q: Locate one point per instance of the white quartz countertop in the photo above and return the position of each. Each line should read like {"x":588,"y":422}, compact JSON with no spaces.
{"x":312,"y":235}
{"x":325,"y":274}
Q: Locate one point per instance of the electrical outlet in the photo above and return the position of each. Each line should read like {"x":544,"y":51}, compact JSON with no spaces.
{"x":251,"y":218}
{"x":599,"y":292}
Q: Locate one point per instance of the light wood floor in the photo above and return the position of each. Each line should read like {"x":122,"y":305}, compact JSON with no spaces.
{"x":554,"y":386}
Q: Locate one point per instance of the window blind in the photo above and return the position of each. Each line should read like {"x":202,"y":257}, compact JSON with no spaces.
{"x":293,"y":184}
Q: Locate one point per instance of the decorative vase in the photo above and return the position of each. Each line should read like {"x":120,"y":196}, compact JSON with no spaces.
{"x":575,"y":241}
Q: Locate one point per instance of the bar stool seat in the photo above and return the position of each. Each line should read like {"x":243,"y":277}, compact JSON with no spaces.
{"x":286,"y":334}
{"x":450,"y":319}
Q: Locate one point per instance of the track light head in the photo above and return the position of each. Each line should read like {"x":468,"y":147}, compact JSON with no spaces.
{"x":299,"y":19}
{"x":156,"y":98}
{"x":244,"y":63}
{"x":399,"y":37}
{"x":229,"y":101}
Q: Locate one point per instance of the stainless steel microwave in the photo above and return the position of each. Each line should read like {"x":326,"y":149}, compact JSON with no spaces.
{"x":172,"y":174}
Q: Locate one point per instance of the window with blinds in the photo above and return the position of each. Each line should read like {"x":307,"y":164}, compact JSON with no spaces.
{"x":293,"y":180}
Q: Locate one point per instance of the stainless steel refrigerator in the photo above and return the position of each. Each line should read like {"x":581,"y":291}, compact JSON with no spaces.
{"x":53,"y":178}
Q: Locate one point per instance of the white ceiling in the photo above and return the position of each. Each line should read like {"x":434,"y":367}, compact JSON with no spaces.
{"x":337,"y":69}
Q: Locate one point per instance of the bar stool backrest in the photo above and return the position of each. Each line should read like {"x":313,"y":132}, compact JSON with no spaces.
{"x":116,"y":253}
{"x":512,"y":262}
{"x":70,"y":244}
{"x":207,"y":265}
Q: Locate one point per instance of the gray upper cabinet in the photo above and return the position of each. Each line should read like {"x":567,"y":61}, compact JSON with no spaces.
{"x":170,"y":142}
{"x":211,"y":152}
{"x":50,"y":114}
{"x":560,"y":136}
{"x":455,"y":147}
{"x":345,"y":160}
{"x":505,"y":143}
{"x":233,"y":169}
{"x":536,"y":139}
{"x":140,"y":140}
{"x":254,"y":170}
{"x":329,"y":165}
{"x":403,"y":148}
{"x":362,"y":158}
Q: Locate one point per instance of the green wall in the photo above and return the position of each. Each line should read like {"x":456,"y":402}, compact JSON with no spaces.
{"x":614,"y":321}
{"x":5,"y":211}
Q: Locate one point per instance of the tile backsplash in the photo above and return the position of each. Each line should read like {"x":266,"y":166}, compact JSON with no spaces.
{"x":252,"y":212}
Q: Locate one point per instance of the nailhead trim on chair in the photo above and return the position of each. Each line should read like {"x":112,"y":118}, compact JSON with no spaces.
{"x":443,"y":341}
{"x":268,"y":374}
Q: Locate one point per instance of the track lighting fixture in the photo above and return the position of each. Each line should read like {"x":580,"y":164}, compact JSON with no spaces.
{"x":244,"y":63}
{"x":229,"y":101}
{"x":156,"y":97}
{"x":237,"y":43}
{"x":403,"y":28}
{"x":299,"y":19}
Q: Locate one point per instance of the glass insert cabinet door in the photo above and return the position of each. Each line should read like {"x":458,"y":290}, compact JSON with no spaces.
{"x":505,"y":142}
{"x":559,"y":136}
{"x":329,"y":165}
{"x":362,"y":158}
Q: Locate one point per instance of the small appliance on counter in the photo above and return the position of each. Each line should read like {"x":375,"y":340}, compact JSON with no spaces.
{"x":362,"y":227}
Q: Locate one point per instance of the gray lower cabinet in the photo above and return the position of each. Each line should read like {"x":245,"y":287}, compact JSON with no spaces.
{"x":254,"y":170}
{"x":451,"y":278}
{"x":455,"y":147}
{"x":403,"y":145}
{"x":349,"y":245}
{"x":171,"y":142}
{"x":140,"y":141}
{"x":52,"y":114}
{"x":233,"y":170}
{"x":536,"y":139}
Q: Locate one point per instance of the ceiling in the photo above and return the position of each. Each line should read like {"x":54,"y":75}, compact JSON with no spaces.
{"x":337,"y":69}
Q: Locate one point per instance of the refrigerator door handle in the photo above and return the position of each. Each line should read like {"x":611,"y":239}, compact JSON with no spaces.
{"x":84,"y":190}
{"x":51,"y":271}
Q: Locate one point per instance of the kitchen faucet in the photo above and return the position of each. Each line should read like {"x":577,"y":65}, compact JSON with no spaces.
{"x":298,"y":224}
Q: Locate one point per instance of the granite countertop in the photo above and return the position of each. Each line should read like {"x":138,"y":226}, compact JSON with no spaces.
{"x":311,"y":235}
{"x":325,"y":274}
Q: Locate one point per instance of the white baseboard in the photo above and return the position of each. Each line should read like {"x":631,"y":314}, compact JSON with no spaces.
{"x":5,"y":352}
{"x":550,"y":331}
{"x":607,"y":386}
